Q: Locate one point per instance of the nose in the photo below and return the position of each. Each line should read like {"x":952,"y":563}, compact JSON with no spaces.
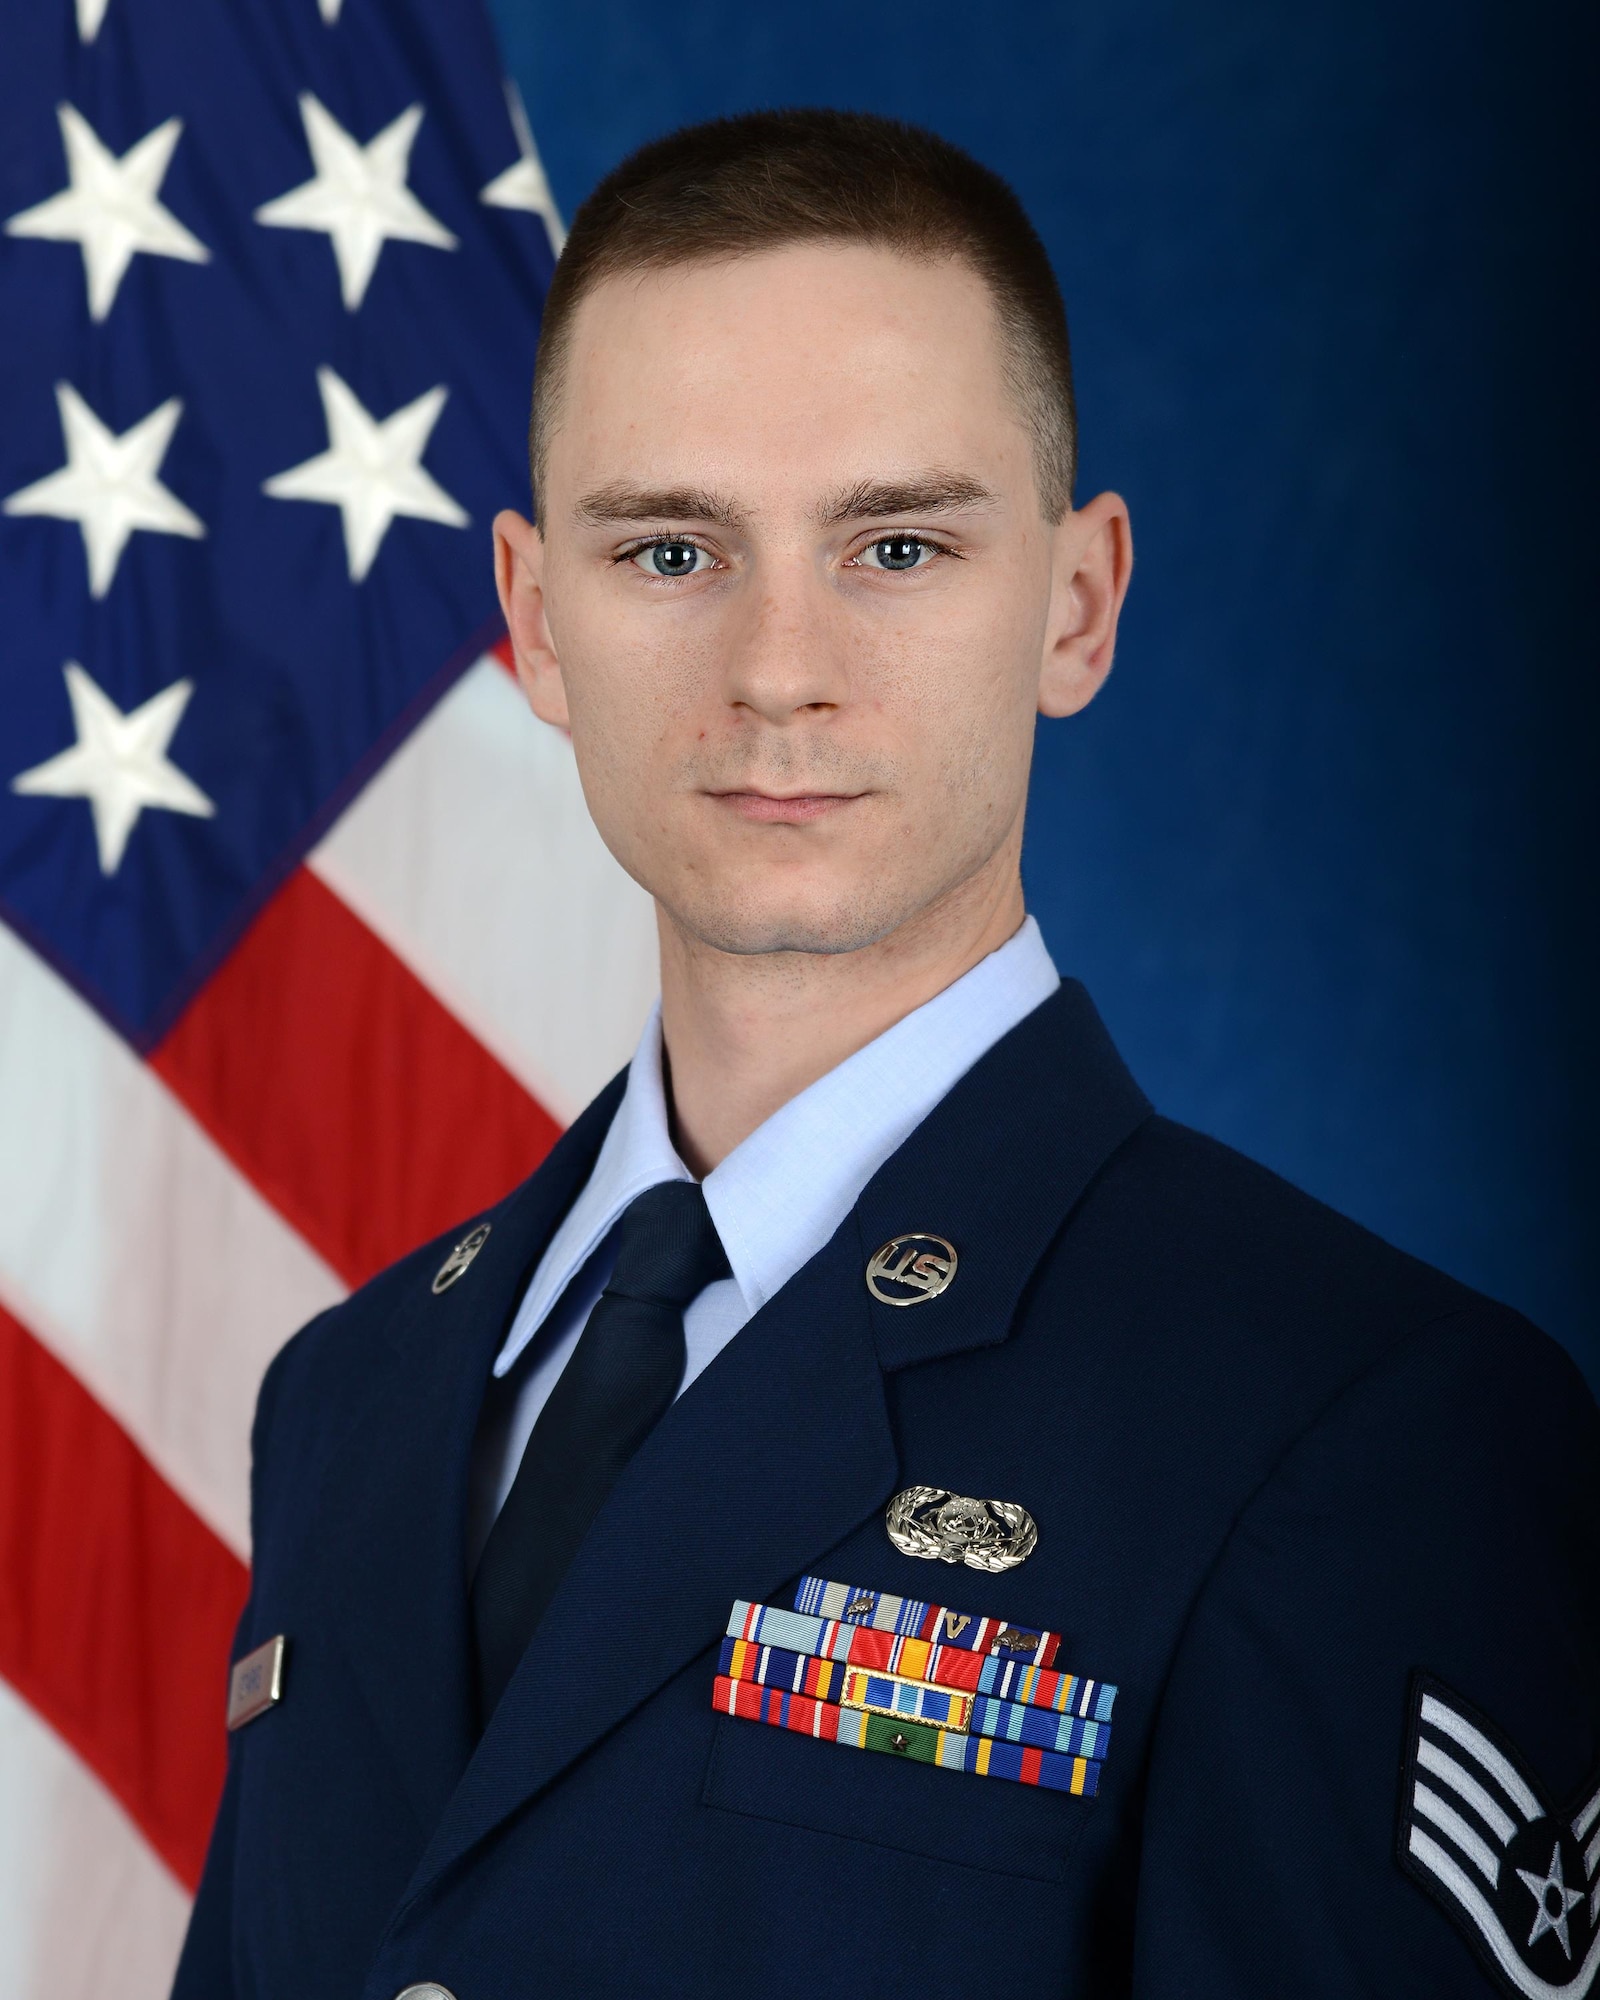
{"x":787,"y":654}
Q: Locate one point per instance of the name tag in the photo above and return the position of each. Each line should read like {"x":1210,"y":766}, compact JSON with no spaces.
{"x":256,"y":1682}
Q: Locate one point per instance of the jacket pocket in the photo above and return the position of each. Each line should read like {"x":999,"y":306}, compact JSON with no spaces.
{"x":991,"y":1823}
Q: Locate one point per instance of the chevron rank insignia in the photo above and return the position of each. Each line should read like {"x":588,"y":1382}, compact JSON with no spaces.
{"x":1520,"y":1880}
{"x":859,"y":1667}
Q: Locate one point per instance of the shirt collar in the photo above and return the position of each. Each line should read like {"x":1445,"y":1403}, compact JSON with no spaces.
{"x":782,"y":1192}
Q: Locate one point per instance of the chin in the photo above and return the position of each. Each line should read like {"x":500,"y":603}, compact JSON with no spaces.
{"x":748,"y":924}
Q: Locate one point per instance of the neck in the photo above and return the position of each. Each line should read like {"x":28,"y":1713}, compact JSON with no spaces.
{"x":745,"y":1033}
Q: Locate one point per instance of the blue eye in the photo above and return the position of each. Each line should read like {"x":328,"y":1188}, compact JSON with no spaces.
{"x":897,"y":552}
{"x":670,"y":559}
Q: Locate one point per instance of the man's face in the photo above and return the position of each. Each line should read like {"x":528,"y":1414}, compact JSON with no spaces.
{"x":794,"y":595}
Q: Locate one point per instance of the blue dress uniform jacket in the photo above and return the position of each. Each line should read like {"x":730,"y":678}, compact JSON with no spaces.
{"x":1278,"y":1469}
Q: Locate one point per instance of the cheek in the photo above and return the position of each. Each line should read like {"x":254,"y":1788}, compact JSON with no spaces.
{"x":607,"y":737}
{"x":633,"y":723}
{"x":959,"y":701}
{"x":632,"y":662}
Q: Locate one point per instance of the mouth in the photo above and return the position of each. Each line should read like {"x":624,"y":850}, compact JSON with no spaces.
{"x":797,"y":809}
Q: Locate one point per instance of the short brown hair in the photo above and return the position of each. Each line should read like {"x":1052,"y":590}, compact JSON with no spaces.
{"x":736,"y":186}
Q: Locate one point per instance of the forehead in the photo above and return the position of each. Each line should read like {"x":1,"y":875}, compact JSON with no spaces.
{"x":813,"y":364}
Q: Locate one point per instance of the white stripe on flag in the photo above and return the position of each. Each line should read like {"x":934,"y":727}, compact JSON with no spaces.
{"x":133,"y":1248}
{"x":473,"y":856}
{"x":86,"y":1909}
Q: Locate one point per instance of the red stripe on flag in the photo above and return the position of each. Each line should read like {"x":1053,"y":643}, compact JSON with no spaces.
{"x":117,"y":1604}
{"x":501,"y":651}
{"x":360,"y":1106}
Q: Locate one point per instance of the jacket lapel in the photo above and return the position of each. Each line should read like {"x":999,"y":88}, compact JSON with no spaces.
{"x":395,"y":1494}
{"x":791,"y":1418}
{"x":778,"y":1450}
{"x":997,"y":1169}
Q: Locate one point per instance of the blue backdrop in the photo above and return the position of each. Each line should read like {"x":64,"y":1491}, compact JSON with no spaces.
{"x":1321,"y":850}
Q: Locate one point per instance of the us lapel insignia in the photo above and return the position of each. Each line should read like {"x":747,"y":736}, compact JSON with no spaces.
{"x":460,"y":1257}
{"x":909,"y":1269}
{"x":1519,"y":1880}
{"x":256,"y":1683}
{"x":984,"y":1534}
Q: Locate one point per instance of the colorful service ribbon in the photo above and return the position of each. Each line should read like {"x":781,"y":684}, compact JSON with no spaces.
{"x":911,"y":1618}
{"x":864,"y":1729}
{"x":877,"y":1672}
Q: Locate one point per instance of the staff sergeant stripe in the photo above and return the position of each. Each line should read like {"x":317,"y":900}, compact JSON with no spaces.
{"x":1430,"y":1806}
{"x":1477,"y":1745}
{"x":1459,"y":1843}
{"x":1449,"y":1772}
{"x":1447,"y":1870}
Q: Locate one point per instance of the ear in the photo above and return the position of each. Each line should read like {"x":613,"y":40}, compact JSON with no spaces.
{"x":519,"y":577}
{"x":1093,"y":560}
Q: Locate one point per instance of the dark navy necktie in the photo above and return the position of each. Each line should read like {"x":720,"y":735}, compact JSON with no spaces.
{"x":619,"y":1383}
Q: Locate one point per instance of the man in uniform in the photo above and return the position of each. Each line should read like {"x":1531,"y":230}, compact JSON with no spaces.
{"x":1216,"y":1589}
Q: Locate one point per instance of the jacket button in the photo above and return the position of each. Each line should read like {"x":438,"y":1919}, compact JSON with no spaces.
{"x":428,"y":1990}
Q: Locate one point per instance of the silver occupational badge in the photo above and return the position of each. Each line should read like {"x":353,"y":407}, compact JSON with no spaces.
{"x":909,"y":1269}
{"x":460,"y":1257}
{"x":983,"y":1534}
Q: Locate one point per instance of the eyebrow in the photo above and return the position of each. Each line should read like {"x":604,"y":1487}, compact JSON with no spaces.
{"x":923,"y":493}
{"x":608,"y":505}
{"x":867,"y":500}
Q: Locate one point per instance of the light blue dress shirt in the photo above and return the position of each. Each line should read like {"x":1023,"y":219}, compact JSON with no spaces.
{"x":776,"y":1199}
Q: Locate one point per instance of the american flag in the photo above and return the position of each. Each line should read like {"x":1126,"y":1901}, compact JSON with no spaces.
{"x":307,"y":945}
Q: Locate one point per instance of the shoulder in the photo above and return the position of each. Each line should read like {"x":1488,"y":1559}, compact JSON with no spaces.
{"x":1242,"y":1270}
{"x":1217,"y":1316}
{"x":1412,"y":1441}
{"x":1408,"y":1489}
{"x":316,"y":1377}
{"x":1440,"y":1514}
{"x":326,"y":1371}
{"x":1225,"y":1221}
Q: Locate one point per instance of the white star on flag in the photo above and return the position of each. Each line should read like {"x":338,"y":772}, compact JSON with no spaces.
{"x":372,"y":470}
{"x":109,"y":484}
{"x":110,"y":207}
{"x":358,"y":196}
{"x":119,"y":763}
{"x":90,"y":14}
{"x":524,"y":183}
